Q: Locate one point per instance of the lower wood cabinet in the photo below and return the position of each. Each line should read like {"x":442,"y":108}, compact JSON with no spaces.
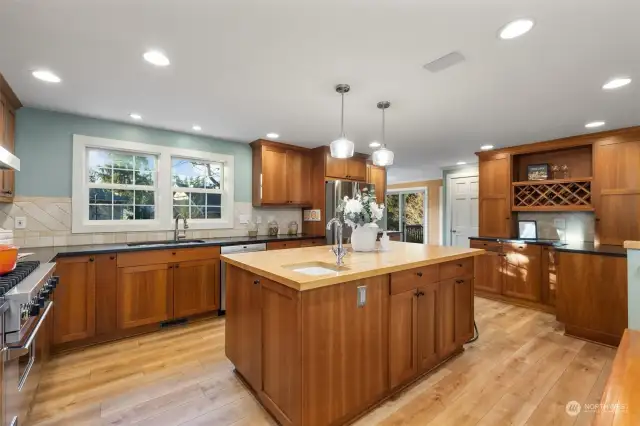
{"x":314,"y":242}
{"x":145,"y":295}
{"x":196,"y":287}
{"x":279,"y":245}
{"x":74,"y":307}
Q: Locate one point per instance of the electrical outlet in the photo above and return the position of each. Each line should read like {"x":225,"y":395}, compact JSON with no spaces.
{"x":559,"y":223}
{"x":20,"y":223}
{"x":244,"y":218}
{"x":258,"y":219}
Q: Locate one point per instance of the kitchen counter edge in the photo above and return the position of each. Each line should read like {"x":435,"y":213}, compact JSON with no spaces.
{"x":581,"y":248}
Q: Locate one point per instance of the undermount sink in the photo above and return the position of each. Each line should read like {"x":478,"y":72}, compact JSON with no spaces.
{"x":165,"y":242}
{"x":315,"y":268}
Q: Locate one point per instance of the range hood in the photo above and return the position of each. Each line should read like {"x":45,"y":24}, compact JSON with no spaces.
{"x":8,"y":161}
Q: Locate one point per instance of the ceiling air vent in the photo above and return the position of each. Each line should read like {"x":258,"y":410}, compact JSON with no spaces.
{"x":445,"y":62}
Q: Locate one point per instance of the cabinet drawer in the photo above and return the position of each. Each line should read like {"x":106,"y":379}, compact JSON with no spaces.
{"x":457,"y":268}
{"x":524,"y":249}
{"x":487,"y":245}
{"x":413,"y":278}
{"x":278,"y":245}
{"x":154,"y":257}
{"x":313,"y":243}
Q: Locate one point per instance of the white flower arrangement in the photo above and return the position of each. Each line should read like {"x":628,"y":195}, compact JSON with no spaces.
{"x":361,"y":210}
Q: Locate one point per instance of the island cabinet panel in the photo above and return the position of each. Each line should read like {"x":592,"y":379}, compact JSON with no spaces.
{"x":427,"y":327}
{"x":74,"y":314}
{"x":145,"y":295}
{"x":447,"y":341}
{"x":243,"y":324}
{"x":196,"y":287}
{"x":591,"y":298}
{"x":403,"y":337}
{"x":281,"y":353}
{"x":345,"y":357}
{"x":463,"y":310}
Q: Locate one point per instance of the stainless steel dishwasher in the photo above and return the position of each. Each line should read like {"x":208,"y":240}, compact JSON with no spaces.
{"x":241,"y":248}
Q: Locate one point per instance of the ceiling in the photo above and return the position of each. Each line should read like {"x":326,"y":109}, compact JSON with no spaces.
{"x":243,"y":68}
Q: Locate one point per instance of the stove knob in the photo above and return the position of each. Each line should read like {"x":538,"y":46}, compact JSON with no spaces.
{"x":54,"y":281}
{"x":34,"y":310}
{"x":41,"y":301}
{"x":45,"y":292}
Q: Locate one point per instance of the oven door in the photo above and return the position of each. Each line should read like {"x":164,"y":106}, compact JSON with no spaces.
{"x":22,"y":369}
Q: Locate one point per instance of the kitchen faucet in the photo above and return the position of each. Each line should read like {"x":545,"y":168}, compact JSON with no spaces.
{"x":339,"y":251}
{"x":176,"y":231}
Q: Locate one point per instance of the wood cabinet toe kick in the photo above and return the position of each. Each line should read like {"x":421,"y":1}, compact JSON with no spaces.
{"x":326,"y":356}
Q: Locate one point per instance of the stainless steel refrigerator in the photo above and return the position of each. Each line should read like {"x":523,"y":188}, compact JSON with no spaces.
{"x":334,"y":192}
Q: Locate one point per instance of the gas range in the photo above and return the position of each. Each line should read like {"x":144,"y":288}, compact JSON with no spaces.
{"x":26,"y":289}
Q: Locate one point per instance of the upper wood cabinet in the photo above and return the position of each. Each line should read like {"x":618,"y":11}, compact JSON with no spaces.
{"x":354,"y":168}
{"x":74,"y":307}
{"x":9,"y":103}
{"x":616,"y":189}
{"x":281,"y":174}
{"x":377,"y":176}
{"x":495,"y":196}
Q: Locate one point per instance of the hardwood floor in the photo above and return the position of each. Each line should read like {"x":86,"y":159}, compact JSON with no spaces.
{"x":521,"y":371}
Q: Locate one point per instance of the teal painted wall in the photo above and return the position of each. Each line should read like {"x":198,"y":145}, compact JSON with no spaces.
{"x":44,"y":145}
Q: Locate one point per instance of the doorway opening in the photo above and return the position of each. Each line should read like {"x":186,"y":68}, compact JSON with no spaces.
{"x":406,"y":212}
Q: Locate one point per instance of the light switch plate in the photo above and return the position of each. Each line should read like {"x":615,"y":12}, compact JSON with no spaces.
{"x":20,"y":222}
{"x":244,"y":218}
{"x":559,"y":223}
{"x":258,"y":219}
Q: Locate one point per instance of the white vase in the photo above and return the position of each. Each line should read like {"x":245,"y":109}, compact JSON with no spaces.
{"x":363,"y":238}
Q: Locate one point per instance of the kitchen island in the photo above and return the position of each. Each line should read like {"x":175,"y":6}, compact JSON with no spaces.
{"x":322,"y":345}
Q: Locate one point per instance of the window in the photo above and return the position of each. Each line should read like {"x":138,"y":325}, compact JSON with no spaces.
{"x":128,"y":186}
{"x":197,"y":188}
{"x":122,"y":185}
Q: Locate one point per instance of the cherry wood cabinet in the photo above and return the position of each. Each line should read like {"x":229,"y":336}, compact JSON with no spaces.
{"x":616,"y":189}
{"x":279,"y":245}
{"x":354,"y":168}
{"x":9,"y":103}
{"x":145,"y":295}
{"x":106,"y":293}
{"x":489,"y":267}
{"x":378,"y":176}
{"x":522,"y":271}
{"x":196,"y":287}
{"x":314,"y":242}
{"x":495,"y":196}
{"x":403,"y":337}
{"x":281,"y":174}
{"x":428,"y":356}
{"x":74,"y":307}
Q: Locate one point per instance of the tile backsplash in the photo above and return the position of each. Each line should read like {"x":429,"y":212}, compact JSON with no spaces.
{"x":579,"y":226}
{"x":49,"y":224}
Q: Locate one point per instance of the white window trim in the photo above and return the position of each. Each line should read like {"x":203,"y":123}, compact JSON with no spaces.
{"x":80,"y":222}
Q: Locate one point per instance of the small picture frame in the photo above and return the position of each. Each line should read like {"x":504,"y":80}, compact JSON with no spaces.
{"x":538,"y":172}
{"x":527,"y":229}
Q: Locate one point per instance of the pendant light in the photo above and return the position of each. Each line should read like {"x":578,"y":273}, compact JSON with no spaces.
{"x":342,"y":147}
{"x":382,"y":156}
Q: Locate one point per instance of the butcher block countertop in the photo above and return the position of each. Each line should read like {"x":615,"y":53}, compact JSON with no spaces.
{"x":278,"y":265}
{"x":635,"y":245}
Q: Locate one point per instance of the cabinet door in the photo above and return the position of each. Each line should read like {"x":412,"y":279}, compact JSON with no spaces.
{"x":403,"y":337}
{"x":357,"y":168}
{"x":489,"y":274}
{"x":145,"y":295}
{"x":616,"y":188}
{"x":335,"y":167}
{"x":378,"y":177}
{"x":428,"y":326}
{"x":243,"y":323}
{"x":196,"y":287}
{"x":463,"y":310}
{"x":522,"y":271}
{"x":280,"y":245}
{"x":495,"y":197}
{"x":106,"y":293}
{"x":7,"y":141}
{"x":447,"y":342}
{"x":74,"y":307}
{"x":298,"y":177}
{"x":274,"y":175}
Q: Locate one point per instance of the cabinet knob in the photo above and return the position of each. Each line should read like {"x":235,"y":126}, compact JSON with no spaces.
{"x":419,"y":274}
{"x":91,"y":259}
{"x":112,"y":258}
{"x":170,"y":266}
{"x":419,"y":293}
{"x":177,"y":266}
{"x":459,"y":281}
{"x":256,"y":281}
{"x":459,"y":265}
{"x":173,"y":253}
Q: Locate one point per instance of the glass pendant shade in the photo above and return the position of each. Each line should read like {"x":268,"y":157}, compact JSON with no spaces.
{"x":342,"y":148}
{"x":382,"y":157}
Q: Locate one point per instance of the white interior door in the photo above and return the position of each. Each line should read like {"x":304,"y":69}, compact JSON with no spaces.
{"x":464,"y":210}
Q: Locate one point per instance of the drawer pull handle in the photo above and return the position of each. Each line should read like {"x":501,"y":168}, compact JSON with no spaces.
{"x":419,"y":274}
{"x":112,"y":258}
{"x":459,"y":281}
{"x":256,"y":281}
{"x":173,"y":253}
{"x":419,"y":293}
{"x":459,"y":265}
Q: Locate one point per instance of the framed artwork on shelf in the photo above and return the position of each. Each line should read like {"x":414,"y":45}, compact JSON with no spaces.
{"x":527,"y":229}
{"x":537,"y":172}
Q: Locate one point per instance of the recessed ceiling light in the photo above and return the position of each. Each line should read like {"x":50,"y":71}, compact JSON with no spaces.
{"x":486,"y":147}
{"x":594,"y":124}
{"x":616,"y":83}
{"x":516,"y":29}
{"x":273,"y":135}
{"x":374,"y":144}
{"x":47,"y":76}
{"x":196,"y":128}
{"x":461,"y":163}
{"x":156,"y":58}
{"x":135,"y":116}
